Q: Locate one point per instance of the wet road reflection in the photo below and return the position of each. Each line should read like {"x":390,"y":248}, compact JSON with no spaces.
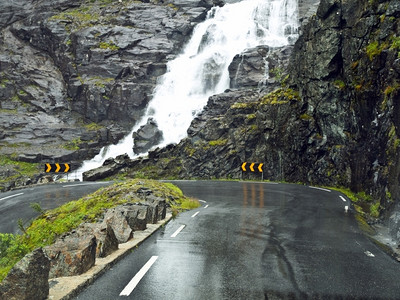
{"x":256,"y":241}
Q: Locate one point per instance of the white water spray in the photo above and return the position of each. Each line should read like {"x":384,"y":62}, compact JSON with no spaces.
{"x":202,"y":69}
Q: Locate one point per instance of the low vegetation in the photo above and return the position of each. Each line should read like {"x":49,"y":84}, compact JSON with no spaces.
{"x":51,"y":224}
{"x":17,"y":168}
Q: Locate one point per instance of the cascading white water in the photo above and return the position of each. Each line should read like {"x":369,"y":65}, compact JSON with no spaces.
{"x":202,"y":68}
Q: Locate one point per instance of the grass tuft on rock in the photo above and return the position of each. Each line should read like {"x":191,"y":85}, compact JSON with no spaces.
{"x":51,"y":224}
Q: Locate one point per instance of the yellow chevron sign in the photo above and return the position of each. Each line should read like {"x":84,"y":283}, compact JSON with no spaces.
{"x":57,"y":168}
{"x":254,"y":167}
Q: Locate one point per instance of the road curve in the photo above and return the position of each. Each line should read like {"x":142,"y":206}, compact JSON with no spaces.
{"x":254,"y":241}
{"x":15,"y":205}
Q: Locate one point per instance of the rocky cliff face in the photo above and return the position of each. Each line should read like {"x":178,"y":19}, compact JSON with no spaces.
{"x":75,"y":76}
{"x":331,"y":118}
{"x":346,"y":67}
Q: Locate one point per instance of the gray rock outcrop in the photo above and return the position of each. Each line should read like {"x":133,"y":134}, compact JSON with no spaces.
{"x":249,"y":68}
{"x":146,"y":137}
{"x":106,"y":240}
{"x":115,"y":218}
{"x":72,"y":254}
{"x":109,"y":167}
{"x":28,"y":279}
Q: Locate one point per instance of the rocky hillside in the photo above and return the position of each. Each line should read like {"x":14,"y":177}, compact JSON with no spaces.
{"x":76,"y":75}
{"x":331,"y":118}
{"x":327,"y":115}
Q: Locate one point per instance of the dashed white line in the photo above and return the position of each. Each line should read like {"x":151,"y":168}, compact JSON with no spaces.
{"x":11,"y":196}
{"x":344,"y":199}
{"x":203,"y":201}
{"x":195,"y":214}
{"x":177,"y":231}
{"x":136,"y":279}
{"x":206,"y":206}
{"x":321,"y":189}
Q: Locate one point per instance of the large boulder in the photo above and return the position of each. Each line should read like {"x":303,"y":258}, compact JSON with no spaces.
{"x":115,"y":218}
{"x":158,"y":206}
{"x":28,"y":279}
{"x":248,"y":69}
{"x":135,"y":214}
{"x":109,"y":167}
{"x":72,"y":254}
{"x":146,"y":137}
{"x":107,"y":242}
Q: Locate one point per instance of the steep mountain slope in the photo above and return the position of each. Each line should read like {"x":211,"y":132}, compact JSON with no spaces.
{"x":75,"y":76}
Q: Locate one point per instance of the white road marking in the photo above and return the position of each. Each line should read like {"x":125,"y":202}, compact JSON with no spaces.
{"x":195,"y":214}
{"x":177,"y":231}
{"x":341,"y":197}
{"x":206,"y":206}
{"x":318,"y":188}
{"x":367,"y":253}
{"x":346,"y":208}
{"x":83,"y":184}
{"x":11,"y":196}
{"x":271,"y":182}
{"x":203,"y":201}
{"x":136,"y":279}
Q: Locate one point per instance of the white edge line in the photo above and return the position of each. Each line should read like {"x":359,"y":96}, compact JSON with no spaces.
{"x":177,"y":231}
{"x":318,"y":188}
{"x":139,"y":275}
{"x":203,"y":201}
{"x":267,"y":182}
{"x":206,"y":206}
{"x":195,"y":214}
{"x":11,"y":196}
{"x":83,"y":184}
{"x":344,"y":200}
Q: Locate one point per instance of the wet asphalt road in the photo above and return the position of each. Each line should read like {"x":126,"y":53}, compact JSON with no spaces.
{"x":255,"y":241}
{"x":15,"y":205}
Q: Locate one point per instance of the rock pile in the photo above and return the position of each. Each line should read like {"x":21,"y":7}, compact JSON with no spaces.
{"x":75,"y":252}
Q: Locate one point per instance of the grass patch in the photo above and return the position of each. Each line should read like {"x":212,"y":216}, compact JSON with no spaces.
{"x":306,"y":117}
{"x":23,"y":168}
{"x":51,"y":224}
{"x":280,"y":96}
{"x":339,"y":84}
{"x":217,"y":143}
{"x":108,"y":46}
{"x":93,"y":126}
{"x":73,"y":145}
{"x":374,"y":49}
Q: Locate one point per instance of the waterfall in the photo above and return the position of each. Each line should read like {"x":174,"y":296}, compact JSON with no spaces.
{"x":201,"y":70}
